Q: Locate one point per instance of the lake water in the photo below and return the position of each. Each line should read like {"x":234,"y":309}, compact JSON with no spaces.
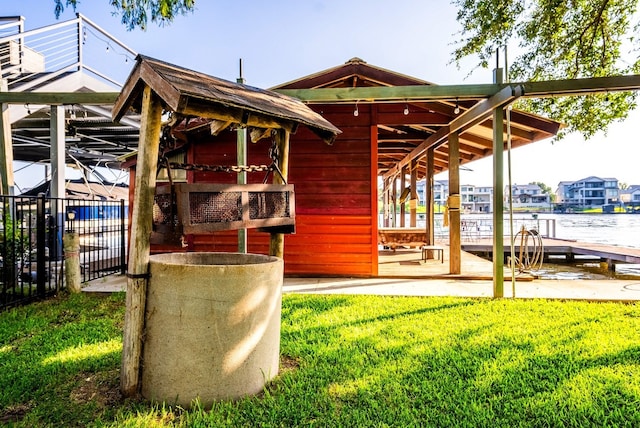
{"x":611,"y":229}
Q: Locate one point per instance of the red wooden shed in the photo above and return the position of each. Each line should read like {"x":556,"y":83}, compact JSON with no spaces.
{"x":336,"y":186}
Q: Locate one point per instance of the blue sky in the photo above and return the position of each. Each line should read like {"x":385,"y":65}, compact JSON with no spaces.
{"x":282,"y":40}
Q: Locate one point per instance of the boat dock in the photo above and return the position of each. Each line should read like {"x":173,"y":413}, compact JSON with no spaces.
{"x":558,"y":249}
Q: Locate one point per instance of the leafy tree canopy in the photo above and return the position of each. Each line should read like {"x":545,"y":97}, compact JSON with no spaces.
{"x":135,"y":13}
{"x":557,"y":39}
{"x":545,"y":189}
{"x":553,"y":39}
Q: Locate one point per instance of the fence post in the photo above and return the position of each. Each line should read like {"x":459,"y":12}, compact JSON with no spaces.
{"x":123,"y":243}
{"x":72,"y":261}
{"x":41,"y":242}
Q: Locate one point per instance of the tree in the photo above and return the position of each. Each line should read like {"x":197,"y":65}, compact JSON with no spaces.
{"x":557,"y":39}
{"x":545,"y":189}
{"x":135,"y":13}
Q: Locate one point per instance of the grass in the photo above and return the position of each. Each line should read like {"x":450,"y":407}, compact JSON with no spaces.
{"x":350,"y":361}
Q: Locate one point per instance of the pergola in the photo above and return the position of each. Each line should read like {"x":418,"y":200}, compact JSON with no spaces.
{"x":476,"y":106}
{"x":402,"y":145}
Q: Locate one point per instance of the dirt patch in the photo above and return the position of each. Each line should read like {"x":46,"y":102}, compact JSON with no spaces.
{"x":288,"y":364}
{"x":15,"y":413}
{"x":102,"y":388}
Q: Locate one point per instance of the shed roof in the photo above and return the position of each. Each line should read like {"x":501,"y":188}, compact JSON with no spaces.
{"x":191,"y":93}
{"x":403,"y":126}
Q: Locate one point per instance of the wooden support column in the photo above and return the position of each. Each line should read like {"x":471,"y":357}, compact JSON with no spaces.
{"x":428,"y":200}
{"x":413,"y":198}
{"x":241,"y":150}
{"x":498,"y":195}
{"x":138,"y":268}
{"x":276,"y":241}
{"x":454,"y":204}
{"x":394,"y":198}
{"x":57,"y":151}
{"x":385,"y":203}
{"x":403,"y":186}
{"x":6,"y":147}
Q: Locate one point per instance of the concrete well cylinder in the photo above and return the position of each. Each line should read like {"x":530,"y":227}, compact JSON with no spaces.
{"x":212,"y":326}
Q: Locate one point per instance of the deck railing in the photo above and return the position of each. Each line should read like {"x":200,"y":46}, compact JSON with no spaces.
{"x":31,"y":59}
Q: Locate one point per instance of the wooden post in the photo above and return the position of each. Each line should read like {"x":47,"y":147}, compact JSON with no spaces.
{"x":276,"y":241}
{"x":71,"y":242}
{"x":413,"y":198}
{"x":403,"y":185}
{"x":498,"y":196}
{"x":57,"y":152}
{"x":6,"y":148}
{"x":428,"y":200}
{"x":454,"y":204}
{"x":241,"y":150}
{"x":394,"y":198}
{"x":385,"y":202}
{"x":138,"y":268}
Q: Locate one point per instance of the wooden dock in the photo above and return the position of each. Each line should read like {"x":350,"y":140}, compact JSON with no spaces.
{"x":408,"y":263}
{"x":553,"y":249}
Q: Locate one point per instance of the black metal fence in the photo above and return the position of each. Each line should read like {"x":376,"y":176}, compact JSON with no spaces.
{"x":31,"y":250}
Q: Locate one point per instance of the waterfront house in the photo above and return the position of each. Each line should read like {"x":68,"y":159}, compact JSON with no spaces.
{"x":527,"y":197}
{"x":589,"y":192}
{"x":474,"y":199}
{"x":630,"y":195}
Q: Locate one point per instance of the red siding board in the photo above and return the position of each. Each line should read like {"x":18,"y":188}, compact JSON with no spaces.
{"x":333,"y":196}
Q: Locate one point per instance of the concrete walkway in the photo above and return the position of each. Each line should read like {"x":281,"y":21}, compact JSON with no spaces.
{"x":592,"y":290}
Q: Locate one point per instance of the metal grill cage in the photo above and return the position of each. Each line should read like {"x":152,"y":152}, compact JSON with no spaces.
{"x":268,"y":205}
{"x":216,"y":207}
{"x":203,"y":208}
{"x":164,"y":211}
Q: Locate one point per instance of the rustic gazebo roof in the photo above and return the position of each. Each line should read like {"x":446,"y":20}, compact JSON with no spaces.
{"x":191,"y":93}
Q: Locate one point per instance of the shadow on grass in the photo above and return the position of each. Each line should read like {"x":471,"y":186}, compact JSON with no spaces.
{"x":453,"y":363}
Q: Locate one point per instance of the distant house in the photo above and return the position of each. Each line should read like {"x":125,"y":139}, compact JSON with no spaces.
{"x":562,"y":191}
{"x":475,"y":199}
{"x":527,"y":197}
{"x":440,"y":192}
{"x":590,"y":192}
{"x":631,"y":194}
{"x":483,"y":199}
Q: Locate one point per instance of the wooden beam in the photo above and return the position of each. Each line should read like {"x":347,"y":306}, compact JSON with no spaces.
{"x":561,"y":87}
{"x":139,"y":247}
{"x":58,"y":98}
{"x":276,"y":240}
{"x":471,"y":117}
{"x":429,"y":200}
{"x":236,"y":115}
{"x":403,"y":186}
{"x":392,"y":93}
{"x":498,"y":192}
{"x":413,"y":199}
{"x":455,"y":250}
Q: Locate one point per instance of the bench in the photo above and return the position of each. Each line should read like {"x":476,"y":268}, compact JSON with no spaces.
{"x":439,"y":252}
{"x":402,"y":237}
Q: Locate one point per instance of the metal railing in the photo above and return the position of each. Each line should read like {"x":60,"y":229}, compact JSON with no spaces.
{"x":31,"y":59}
{"x":31,"y":250}
{"x":475,"y":227}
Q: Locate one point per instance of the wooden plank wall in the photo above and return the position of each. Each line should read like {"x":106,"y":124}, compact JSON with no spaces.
{"x":335,"y":233}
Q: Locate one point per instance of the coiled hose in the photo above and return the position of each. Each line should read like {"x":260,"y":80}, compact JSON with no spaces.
{"x":531,"y":251}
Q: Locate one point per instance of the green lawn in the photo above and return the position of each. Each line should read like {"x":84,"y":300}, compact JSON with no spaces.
{"x":350,"y":361}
